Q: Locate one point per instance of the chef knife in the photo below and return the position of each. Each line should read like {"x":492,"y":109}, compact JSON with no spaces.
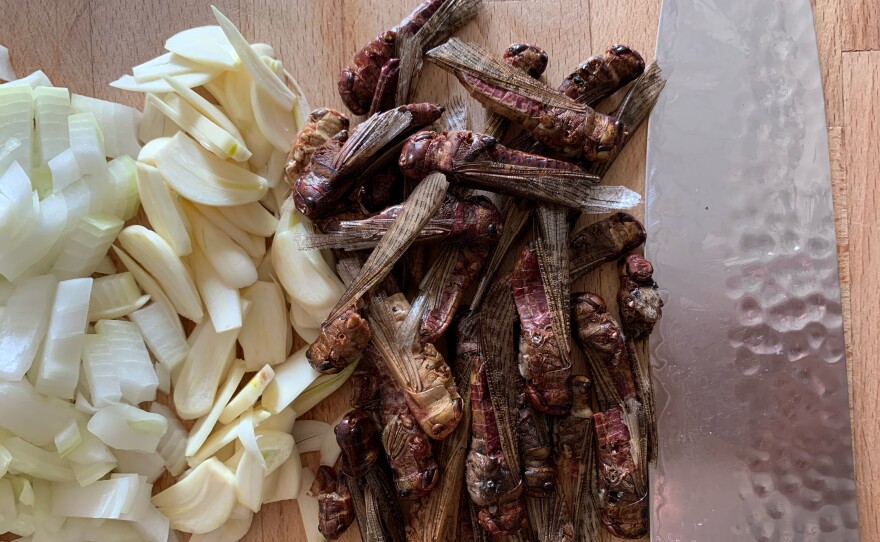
{"x":749,"y":363}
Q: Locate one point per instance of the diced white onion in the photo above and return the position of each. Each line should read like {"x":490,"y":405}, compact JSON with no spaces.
{"x":118,"y":123}
{"x":137,"y":378}
{"x":161,"y":334}
{"x":51,"y":109}
{"x":115,"y":296}
{"x":126,"y":427}
{"x":59,"y":365}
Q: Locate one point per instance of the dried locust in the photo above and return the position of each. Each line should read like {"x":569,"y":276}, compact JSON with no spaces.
{"x":479,"y":161}
{"x":323,"y":124}
{"x":335,"y":508}
{"x":549,"y":116}
{"x":396,"y":55}
{"x":604,"y":241}
{"x":340,"y":165}
{"x":365,"y":471}
{"x":601,"y":75}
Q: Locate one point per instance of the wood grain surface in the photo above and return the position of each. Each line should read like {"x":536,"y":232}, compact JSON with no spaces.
{"x":85,"y":44}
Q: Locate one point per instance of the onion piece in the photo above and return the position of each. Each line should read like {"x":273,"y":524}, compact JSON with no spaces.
{"x":118,"y":123}
{"x":106,"y":499}
{"x":223,"y":302}
{"x":248,"y":395}
{"x":203,"y":369}
{"x":126,"y":427}
{"x":137,"y":378}
{"x":86,"y":246}
{"x":251,"y":471}
{"x":223,"y":436}
{"x":88,"y":473}
{"x":19,"y":204}
{"x":283,"y":421}
{"x":163,"y":210}
{"x":291,"y":378}
{"x":51,"y":109}
{"x":203,"y":106}
{"x":7,"y":73}
{"x":64,"y":169}
{"x":230,"y":261}
{"x":262,"y":75}
{"x":308,"y":509}
{"x":189,"y":79}
{"x":35,"y":80}
{"x":172,"y":447}
{"x":202,"y":177}
{"x":60,"y":358}
{"x":87,"y":142}
{"x":29,"y":249}
{"x":204,"y":45}
{"x":289,"y":476}
{"x":330,"y":449}
{"x":23,"y":325}
{"x":17,"y":120}
{"x":162,"y":335}
{"x":200,"y":502}
{"x":145,"y":518}
{"x":37,"y":462}
{"x":309,"y":434}
{"x":31,"y":416}
{"x":149,"y":465}
{"x":123,"y":174}
{"x":115,"y":296}
{"x":263,"y":336}
{"x":158,"y":258}
{"x":149,"y":285}
{"x":203,"y":427}
{"x":321,"y":388}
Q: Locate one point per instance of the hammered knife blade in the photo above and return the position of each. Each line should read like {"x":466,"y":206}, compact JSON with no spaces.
{"x":749,"y":363}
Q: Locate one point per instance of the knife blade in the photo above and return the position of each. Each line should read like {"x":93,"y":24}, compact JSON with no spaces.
{"x":749,"y":362}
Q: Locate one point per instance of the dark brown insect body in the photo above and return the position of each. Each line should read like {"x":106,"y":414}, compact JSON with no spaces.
{"x":638,"y":297}
{"x":323,"y":125}
{"x":541,"y":363}
{"x":602,"y":341}
{"x":600,"y":76}
{"x":604,"y":241}
{"x":408,"y":447}
{"x":340,"y":341}
{"x":491,"y":484}
{"x":386,"y":87}
{"x":335,"y":509}
{"x":623,"y":501}
{"x":536,"y":452}
{"x":526,"y":58}
{"x":468,"y":220}
{"x":337,"y":167}
{"x":366,"y":472}
{"x":570,"y":431}
{"x":358,"y":86}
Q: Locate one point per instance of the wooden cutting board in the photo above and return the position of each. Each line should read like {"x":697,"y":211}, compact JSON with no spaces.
{"x":85,"y":44}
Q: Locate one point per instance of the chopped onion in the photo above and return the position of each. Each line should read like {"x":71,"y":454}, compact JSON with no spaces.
{"x":172,"y":447}
{"x":87,"y":142}
{"x":23,"y":325}
{"x":7,"y":73}
{"x":68,"y":439}
{"x":204,"y":107}
{"x":309,"y":434}
{"x":158,"y":258}
{"x":31,"y":416}
{"x":123,"y":174}
{"x":149,"y":465}
{"x":126,"y":427}
{"x":89,"y":473}
{"x":222,"y":436}
{"x":5,"y":460}
{"x":37,"y":462}
{"x":223,"y":302}
{"x":149,"y":523}
{"x":115,"y":296}
{"x":251,"y":470}
{"x":163,"y":337}
{"x":200,"y":502}
{"x":137,"y":378}
{"x":87,"y":245}
{"x":308,"y":509}
{"x":248,"y":395}
{"x":254,"y":246}
{"x":190,"y":79}
{"x":283,"y":421}
{"x":17,"y":120}
{"x":262,"y":75}
{"x":263,"y":335}
{"x":149,"y":285}
{"x":203,"y":369}
{"x":90,"y":449}
{"x":59,"y":365}
{"x":17,"y":217}
{"x":330,"y":450}
{"x":321,"y":389}
{"x":51,"y":109}
{"x":252,"y":218}
{"x":29,"y":249}
{"x":35,"y":80}
{"x":104,"y":499}
{"x":118,"y":123}
{"x":202,"y":177}
{"x":291,"y":378}
{"x":204,"y":45}
{"x":203,"y":427}
{"x":63,"y":168}
{"x":211,"y":136}
{"x":289,"y":478}
{"x":229,"y":260}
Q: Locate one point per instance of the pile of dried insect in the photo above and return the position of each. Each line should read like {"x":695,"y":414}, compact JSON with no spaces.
{"x":516,"y":437}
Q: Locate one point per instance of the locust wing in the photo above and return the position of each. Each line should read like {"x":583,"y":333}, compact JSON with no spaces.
{"x":418,"y":209}
{"x":467,"y":60}
{"x":370,"y":137}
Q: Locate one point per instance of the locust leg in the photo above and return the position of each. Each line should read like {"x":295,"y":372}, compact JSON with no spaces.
{"x":386,"y":87}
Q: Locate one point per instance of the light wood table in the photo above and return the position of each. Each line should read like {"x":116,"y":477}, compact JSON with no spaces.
{"x":85,"y":44}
